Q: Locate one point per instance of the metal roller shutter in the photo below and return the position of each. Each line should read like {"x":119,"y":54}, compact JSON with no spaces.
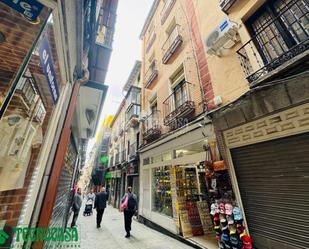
{"x":273,"y":180}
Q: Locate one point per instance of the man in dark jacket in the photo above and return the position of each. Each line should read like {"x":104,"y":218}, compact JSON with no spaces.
{"x":129,"y":210}
{"x":100,"y":205}
{"x":76,"y":205}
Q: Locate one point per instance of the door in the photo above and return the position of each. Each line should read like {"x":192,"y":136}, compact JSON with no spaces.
{"x":273,"y":179}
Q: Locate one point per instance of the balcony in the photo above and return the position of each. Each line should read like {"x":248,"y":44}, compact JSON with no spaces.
{"x":132,"y":151}
{"x":132,"y":115}
{"x":166,"y":10}
{"x":152,"y":127}
{"x":151,"y":73}
{"x":225,"y":5}
{"x":171,"y":44}
{"x":282,"y":42}
{"x":179,"y":105}
{"x":25,"y":89}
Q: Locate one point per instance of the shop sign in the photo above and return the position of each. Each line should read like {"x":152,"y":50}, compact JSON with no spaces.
{"x":48,"y":68}
{"x":30,"y":9}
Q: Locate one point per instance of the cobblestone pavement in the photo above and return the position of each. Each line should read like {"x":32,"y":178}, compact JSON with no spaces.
{"x":111,"y":234}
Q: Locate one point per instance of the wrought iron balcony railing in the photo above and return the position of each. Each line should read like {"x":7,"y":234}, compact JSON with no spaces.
{"x":169,"y":47}
{"x":271,"y":46}
{"x":26,"y":89}
{"x":132,"y":114}
{"x":168,"y":5}
{"x":152,"y":127}
{"x":151,"y":73}
{"x":179,"y":104}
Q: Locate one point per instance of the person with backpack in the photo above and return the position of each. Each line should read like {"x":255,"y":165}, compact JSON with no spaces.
{"x":129,"y":207}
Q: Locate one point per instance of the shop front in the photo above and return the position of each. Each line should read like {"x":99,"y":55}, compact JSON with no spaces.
{"x":115,"y":188}
{"x":174,"y":190}
{"x":31,"y":98}
{"x":133,"y":176}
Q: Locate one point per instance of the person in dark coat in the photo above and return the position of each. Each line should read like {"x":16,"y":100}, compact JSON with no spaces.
{"x":100,"y":205}
{"x":76,"y":205}
{"x":129,"y":210}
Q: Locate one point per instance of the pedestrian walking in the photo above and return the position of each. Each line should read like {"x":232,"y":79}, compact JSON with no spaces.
{"x":129,"y":207}
{"x":100,"y":205}
{"x":76,"y":205}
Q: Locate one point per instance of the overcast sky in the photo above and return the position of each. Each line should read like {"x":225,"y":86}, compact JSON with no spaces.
{"x":131,"y":15}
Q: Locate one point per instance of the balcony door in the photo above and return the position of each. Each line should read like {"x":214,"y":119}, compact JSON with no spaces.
{"x":278,"y":26}
{"x":180,"y":94}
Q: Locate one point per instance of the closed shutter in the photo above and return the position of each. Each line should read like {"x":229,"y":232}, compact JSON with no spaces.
{"x":273,"y":179}
{"x":64,"y":195}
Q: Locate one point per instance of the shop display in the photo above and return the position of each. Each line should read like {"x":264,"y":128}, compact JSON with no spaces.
{"x":162,"y":199}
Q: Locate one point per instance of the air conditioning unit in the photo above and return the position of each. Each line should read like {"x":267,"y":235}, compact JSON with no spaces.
{"x":223,"y":36}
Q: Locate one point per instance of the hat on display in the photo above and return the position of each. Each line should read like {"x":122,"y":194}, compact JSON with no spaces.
{"x":222,"y":208}
{"x":240,"y":229}
{"x":237,"y":213}
{"x":227,"y":244}
{"x":232,"y":230}
{"x":247,"y":241}
{"x":234,"y":239}
{"x":224,"y":228}
{"x":216,"y":217}
{"x":230,"y":219}
{"x":228,"y":209}
{"x":214,"y":209}
{"x":225,"y":237}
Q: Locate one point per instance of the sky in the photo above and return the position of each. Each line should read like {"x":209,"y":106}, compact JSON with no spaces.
{"x":131,"y":15}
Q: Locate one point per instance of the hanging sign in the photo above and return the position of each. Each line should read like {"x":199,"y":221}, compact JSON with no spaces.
{"x":30,"y":9}
{"x":48,"y":68}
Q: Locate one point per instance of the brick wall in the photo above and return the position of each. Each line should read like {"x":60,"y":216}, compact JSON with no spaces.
{"x":200,"y":55}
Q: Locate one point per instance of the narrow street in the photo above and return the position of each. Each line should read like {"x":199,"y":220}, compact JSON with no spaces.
{"x":111,"y":234}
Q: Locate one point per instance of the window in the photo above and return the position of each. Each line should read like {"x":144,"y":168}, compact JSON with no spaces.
{"x":179,"y":87}
{"x":278,"y":26}
{"x":161,"y":191}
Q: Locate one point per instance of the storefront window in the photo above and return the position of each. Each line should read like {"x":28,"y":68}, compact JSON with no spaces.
{"x":190,"y":149}
{"x":161,"y":195}
{"x":28,"y":114}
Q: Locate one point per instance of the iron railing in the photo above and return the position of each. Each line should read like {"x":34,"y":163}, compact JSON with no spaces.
{"x":26,"y":89}
{"x":152,"y":126}
{"x":179,"y":104}
{"x":168,"y":5}
{"x":260,"y":56}
{"x":151,"y":73}
{"x":172,"y":42}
